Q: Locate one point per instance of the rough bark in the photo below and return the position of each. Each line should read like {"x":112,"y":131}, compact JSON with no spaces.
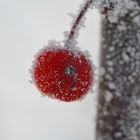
{"x":118,"y":114}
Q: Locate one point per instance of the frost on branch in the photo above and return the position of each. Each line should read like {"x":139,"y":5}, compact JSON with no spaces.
{"x":119,"y":88}
{"x":105,"y":6}
{"x":77,"y":23}
{"x":78,"y":19}
{"x":125,"y":10}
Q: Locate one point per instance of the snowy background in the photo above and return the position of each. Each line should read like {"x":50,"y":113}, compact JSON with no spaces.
{"x":25,"y":26}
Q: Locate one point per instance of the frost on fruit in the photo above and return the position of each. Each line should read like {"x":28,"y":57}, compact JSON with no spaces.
{"x":62,"y":74}
{"x":61,"y":70}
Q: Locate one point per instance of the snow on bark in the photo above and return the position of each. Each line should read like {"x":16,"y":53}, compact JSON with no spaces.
{"x":119,"y":85}
{"x":121,"y":11}
{"x":105,"y":6}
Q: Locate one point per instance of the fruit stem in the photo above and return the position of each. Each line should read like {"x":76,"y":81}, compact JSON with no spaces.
{"x":74,"y":28}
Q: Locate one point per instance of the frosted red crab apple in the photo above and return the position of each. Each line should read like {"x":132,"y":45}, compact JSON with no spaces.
{"x":63,"y":74}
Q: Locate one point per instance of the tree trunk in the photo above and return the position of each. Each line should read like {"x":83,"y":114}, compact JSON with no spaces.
{"x":118,"y":113}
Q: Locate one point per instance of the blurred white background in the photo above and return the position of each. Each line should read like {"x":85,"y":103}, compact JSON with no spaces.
{"x":25,"y":26}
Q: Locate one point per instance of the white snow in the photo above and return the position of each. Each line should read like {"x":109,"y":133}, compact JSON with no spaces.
{"x":102,"y":71}
{"x":108,"y":96}
{"x":110,"y":63}
{"x":111,"y":86}
{"x":118,"y":134}
{"x":126,"y":58}
{"x":122,"y":74}
{"x":121,"y":9}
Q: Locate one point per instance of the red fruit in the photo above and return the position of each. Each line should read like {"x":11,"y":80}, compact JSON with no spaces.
{"x":63,"y":74}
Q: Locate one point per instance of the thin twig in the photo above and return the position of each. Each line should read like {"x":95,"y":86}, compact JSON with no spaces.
{"x":77,"y":21}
